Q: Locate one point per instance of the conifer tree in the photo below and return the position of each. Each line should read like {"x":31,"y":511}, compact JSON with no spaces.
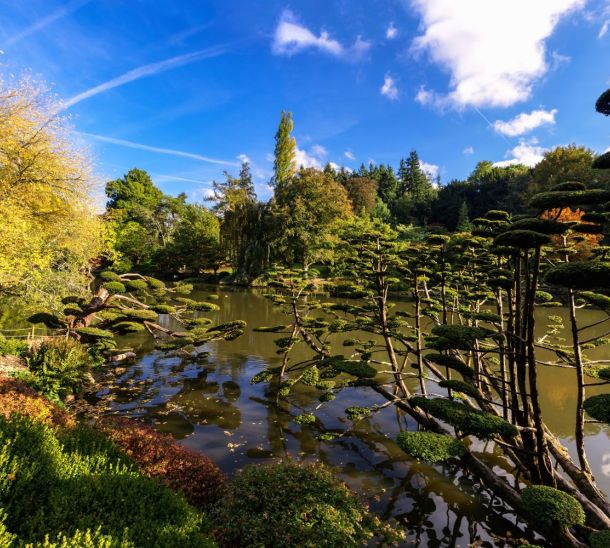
{"x":463,"y":224}
{"x":284,"y":166}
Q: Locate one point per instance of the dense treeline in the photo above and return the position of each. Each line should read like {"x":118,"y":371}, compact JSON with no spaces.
{"x":160,"y":234}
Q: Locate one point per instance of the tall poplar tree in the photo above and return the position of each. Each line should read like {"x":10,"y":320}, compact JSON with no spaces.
{"x":284,"y":166}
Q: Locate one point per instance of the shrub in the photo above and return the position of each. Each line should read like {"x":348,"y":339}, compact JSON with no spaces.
{"x":115,"y":287}
{"x":523,"y":239}
{"x":548,"y":504}
{"x":85,"y":539}
{"x":159,"y":456}
{"x":53,"y":484}
{"x":59,"y":367}
{"x":358,"y":369}
{"x":429,"y":447}
{"x":294,"y":505}
{"x":12,"y":347}
{"x":598,"y":407}
{"x":452,"y":363}
{"x":580,"y":275}
{"x":18,"y":398}
{"x":109,"y":276}
{"x":460,"y":386}
{"x":136,"y":285}
{"x":600,"y":539}
{"x":465,"y":418}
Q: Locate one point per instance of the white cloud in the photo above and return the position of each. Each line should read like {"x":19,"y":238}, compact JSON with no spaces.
{"x":493,"y":51}
{"x":319,"y":151}
{"x":349,"y":155}
{"x":524,"y":122}
{"x":528,"y":153}
{"x":431,"y":170}
{"x":161,"y":178}
{"x":270,"y":157}
{"x":337,"y":167}
{"x":292,"y":37}
{"x":243,"y":158}
{"x":305,"y":159}
{"x":159,"y":150}
{"x":602,"y":32}
{"x":145,"y":70}
{"x":43,"y":22}
{"x":391,"y":32}
{"x":468,"y":150}
{"x":389,"y":88}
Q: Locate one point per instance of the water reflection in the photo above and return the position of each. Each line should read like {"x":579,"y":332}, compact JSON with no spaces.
{"x":208,"y":403}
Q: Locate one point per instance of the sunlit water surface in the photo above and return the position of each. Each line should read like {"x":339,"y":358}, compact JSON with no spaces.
{"x":210,"y":405}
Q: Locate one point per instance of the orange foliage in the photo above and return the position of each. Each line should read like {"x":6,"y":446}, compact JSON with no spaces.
{"x":588,"y":241}
{"x":159,"y":456}
{"x":18,"y":398}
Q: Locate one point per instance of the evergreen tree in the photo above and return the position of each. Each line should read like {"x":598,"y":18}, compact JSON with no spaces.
{"x":388,"y":184}
{"x":416,"y":192}
{"x":284,"y":166}
{"x":463,"y":224}
{"x":245,"y":181}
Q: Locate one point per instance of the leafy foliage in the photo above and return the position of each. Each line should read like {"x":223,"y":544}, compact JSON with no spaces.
{"x":429,"y":447}
{"x":547,"y":504}
{"x":598,"y":407}
{"x":295,"y":505}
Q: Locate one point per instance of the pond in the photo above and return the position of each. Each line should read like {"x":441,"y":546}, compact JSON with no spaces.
{"x":210,"y":405}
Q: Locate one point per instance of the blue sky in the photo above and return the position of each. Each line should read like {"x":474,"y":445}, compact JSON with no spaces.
{"x":186,"y":89}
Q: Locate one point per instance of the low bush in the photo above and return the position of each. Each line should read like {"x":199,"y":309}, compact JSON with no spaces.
{"x":550,"y":505}
{"x":159,"y":456}
{"x":12,"y":347}
{"x":294,"y":505}
{"x":59,"y":367}
{"x":18,"y":398}
{"x":600,"y":539}
{"x":55,"y":483}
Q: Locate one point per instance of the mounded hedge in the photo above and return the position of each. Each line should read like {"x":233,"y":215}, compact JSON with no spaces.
{"x":429,"y":447}
{"x":295,"y":505}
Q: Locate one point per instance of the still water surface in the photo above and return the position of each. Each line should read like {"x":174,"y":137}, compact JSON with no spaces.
{"x":209,"y":405}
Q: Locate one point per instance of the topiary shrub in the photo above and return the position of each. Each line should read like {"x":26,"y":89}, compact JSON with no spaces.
{"x":460,"y":386}
{"x":602,"y":105}
{"x":109,"y":276}
{"x":356,"y":413}
{"x":522,"y":239}
{"x":458,"y":337}
{"x":429,"y":447}
{"x":136,"y":285}
{"x":358,"y":369}
{"x":544,"y":226}
{"x":580,"y":275}
{"x":93,"y":334}
{"x":598,"y":407}
{"x":49,"y":320}
{"x":306,"y":418}
{"x":295,"y":505}
{"x":69,"y":480}
{"x":600,"y":539}
{"x":452,"y":363}
{"x":159,"y":456}
{"x":550,"y":505}
{"x":465,"y":418}
{"x":115,"y":287}
{"x":163,"y":309}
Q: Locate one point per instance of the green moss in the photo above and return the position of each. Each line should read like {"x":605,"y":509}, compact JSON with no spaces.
{"x":465,"y":418}
{"x":600,"y":539}
{"x":429,"y":447}
{"x":329,"y":436}
{"x":202,"y":306}
{"x":580,"y":275}
{"x":598,"y":407}
{"x":175,"y":344}
{"x":305,"y":418}
{"x":550,"y":505}
{"x":356,"y":413}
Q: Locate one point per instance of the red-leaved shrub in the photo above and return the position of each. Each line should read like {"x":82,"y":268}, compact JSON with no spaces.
{"x":158,"y":455}
{"x":16,"y":397}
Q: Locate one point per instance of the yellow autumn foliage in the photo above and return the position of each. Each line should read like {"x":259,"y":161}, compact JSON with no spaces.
{"x":48,"y":227}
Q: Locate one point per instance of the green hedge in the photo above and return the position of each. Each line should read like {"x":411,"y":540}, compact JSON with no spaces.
{"x":60,"y":483}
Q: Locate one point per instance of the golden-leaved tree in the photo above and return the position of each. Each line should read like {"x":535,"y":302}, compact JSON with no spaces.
{"x":49,"y":230}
